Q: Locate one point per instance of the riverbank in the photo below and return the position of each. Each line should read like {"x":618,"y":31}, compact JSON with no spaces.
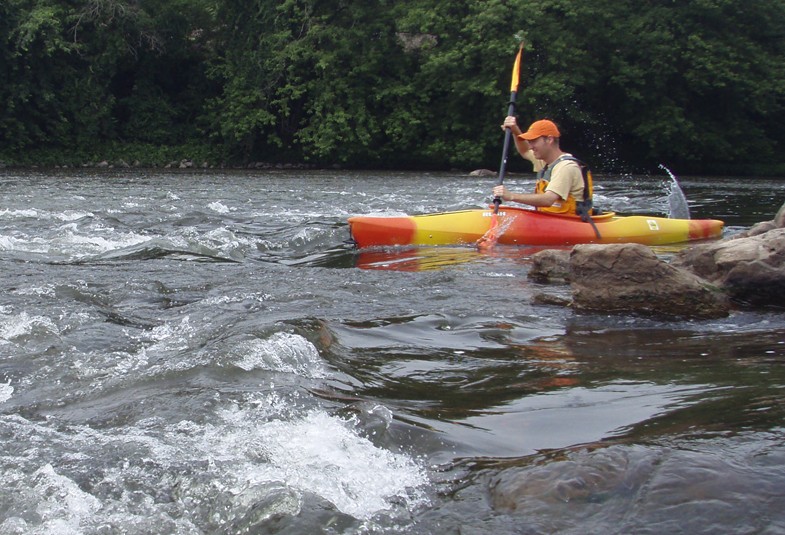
{"x":204,"y":156}
{"x":141,"y":156}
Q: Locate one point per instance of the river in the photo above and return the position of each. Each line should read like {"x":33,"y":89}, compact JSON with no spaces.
{"x":201,"y":351}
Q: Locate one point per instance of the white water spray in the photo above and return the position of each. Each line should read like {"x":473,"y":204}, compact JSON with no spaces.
{"x":677,"y":202}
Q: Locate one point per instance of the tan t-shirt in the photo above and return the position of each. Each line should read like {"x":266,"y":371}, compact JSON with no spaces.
{"x":566,"y":179}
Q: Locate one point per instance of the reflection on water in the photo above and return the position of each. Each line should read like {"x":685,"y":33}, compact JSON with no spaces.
{"x":415,"y":259}
{"x":436,"y":258}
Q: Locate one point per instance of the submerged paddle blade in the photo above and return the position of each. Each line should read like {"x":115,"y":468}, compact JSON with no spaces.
{"x":490,"y":238}
{"x":500,"y":222}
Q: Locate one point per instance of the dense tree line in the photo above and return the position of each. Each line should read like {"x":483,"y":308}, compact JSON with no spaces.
{"x":392,"y":83}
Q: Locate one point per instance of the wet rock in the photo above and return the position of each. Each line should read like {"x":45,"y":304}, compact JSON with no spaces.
{"x":751,"y":268}
{"x":779,"y":219}
{"x":700,"y":282}
{"x":482,"y":172}
{"x":551,"y":300}
{"x":550,"y":266}
{"x":630,"y":278}
{"x":764,"y":226}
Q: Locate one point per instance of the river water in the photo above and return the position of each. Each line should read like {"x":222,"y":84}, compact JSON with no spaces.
{"x":201,"y":352}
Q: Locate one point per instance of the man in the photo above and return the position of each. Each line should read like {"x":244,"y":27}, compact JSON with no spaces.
{"x":560,"y":182}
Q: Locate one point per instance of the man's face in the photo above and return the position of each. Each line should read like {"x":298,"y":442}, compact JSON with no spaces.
{"x":538,"y":144}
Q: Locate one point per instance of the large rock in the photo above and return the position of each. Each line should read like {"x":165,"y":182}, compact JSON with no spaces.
{"x":751,"y":269}
{"x":629,"y":277}
{"x":550,"y":266}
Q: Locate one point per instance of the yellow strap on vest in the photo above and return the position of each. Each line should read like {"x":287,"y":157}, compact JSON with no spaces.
{"x":559,"y":207}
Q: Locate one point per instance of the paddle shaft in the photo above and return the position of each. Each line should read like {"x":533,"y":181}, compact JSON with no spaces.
{"x":507,"y":131}
{"x":505,"y":151}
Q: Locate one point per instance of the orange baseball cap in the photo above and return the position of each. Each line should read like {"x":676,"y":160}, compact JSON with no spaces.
{"x":540,"y":128}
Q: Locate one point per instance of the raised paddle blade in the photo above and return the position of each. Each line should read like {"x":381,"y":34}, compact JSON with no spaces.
{"x":516,"y":70}
{"x":490,"y":238}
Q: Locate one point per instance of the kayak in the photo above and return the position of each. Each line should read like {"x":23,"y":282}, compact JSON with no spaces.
{"x":522,"y":226}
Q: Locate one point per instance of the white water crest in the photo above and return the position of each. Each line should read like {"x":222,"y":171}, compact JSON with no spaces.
{"x":6,"y":391}
{"x":282,"y":352}
{"x":219,"y":207}
{"x":23,"y":324}
{"x":257,"y":458}
{"x":319,"y":453}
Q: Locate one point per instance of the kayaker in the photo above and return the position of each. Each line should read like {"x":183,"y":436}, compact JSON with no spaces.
{"x":560,"y":180}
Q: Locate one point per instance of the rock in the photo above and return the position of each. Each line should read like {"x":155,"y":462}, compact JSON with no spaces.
{"x":755,"y":230}
{"x":629,"y":277}
{"x":578,"y":478}
{"x":779,"y":219}
{"x":700,"y":282}
{"x":550,"y":266}
{"x":751,"y":269}
{"x":482,"y":172}
{"x":756,"y":284}
{"x":551,"y":300}
{"x":764,"y":226}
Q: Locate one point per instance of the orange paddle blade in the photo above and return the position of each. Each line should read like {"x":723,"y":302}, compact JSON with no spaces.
{"x":490,"y":238}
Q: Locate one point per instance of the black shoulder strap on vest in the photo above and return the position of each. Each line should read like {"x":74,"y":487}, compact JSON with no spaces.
{"x":584,"y":208}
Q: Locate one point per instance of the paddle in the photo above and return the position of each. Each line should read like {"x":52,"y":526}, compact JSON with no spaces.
{"x":490,"y":238}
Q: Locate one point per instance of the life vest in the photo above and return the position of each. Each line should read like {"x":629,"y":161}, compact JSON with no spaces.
{"x":570,"y":206}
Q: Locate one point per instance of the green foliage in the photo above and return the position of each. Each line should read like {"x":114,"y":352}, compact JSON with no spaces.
{"x":696,"y":84}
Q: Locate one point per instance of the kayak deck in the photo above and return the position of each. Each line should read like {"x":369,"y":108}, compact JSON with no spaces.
{"x":519,"y":226}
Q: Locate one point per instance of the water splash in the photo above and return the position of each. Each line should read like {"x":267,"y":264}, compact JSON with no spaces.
{"x":6,"y":391}
{"x":284,"y":352}
{"x":677,"y":202}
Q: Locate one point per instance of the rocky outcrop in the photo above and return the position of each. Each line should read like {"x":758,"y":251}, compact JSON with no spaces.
{"x":750,"y":269}
{"x":702,"y":281}
{"x":765,"y":226}
{"x":630,"y":278}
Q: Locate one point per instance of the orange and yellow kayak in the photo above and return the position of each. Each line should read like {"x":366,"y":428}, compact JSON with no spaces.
{"x":521,"y":226}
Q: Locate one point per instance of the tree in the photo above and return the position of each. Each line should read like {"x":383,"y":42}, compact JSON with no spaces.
{"x":409,"y":83}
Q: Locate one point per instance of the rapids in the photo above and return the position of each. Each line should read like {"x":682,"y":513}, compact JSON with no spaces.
{"x":202,"y":352}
